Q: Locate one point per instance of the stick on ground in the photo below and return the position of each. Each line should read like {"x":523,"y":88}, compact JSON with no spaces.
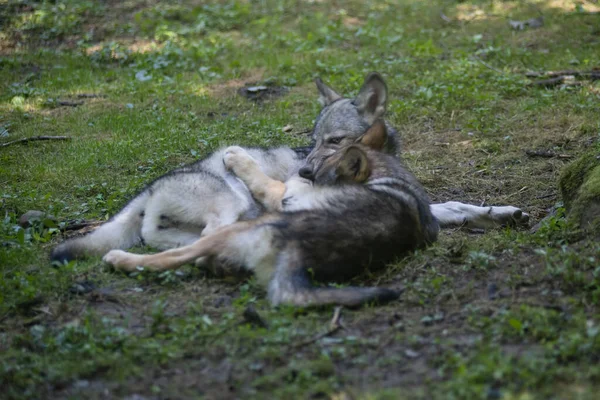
{"x":546,"y":154}
{"x":31,"y":139}
{"x":334,"y":326}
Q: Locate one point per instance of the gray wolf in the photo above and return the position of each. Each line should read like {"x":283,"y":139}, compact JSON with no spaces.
{"x":359,"y":208}
{"x":187,"y":203}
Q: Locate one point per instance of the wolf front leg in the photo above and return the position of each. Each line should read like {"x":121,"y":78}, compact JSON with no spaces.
{"x":455,"y":214}
{"x":265,"y":190}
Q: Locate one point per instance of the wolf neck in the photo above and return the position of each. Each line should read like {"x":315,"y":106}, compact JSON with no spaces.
{"x":383,"y":166}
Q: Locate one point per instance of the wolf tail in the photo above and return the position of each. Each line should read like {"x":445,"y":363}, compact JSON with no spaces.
{"x":291,"y":285}
{"x":351,"y":297}
{"x":122,"y":231}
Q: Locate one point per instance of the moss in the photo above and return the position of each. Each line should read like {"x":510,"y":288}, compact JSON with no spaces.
{"x":580,"y":188}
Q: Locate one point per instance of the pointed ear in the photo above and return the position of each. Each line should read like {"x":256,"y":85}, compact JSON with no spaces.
{"x":376,"y":136}
{"x":371,"y":101}
{"x":354,"y":165}
{"x":326,"y":94}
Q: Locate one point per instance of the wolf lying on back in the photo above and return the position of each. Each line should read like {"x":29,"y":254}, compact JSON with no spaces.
{"x":193,"y":201}
{"x":360,"y":208}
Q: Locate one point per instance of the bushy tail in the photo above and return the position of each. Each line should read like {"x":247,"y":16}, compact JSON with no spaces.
{"x":349,"y":296}
{"x":291,"y":285}
{"x":120,"y":232}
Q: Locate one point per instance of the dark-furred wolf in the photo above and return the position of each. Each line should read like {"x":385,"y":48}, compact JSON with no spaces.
{"x":359,"y":208}
{"x":187,"y":203}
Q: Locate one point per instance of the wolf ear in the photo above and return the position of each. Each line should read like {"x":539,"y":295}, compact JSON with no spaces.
{"x":376,"y":136}
{"x":326,"y":94}
{"x":371,"y":101}
{"x":354,"y":165}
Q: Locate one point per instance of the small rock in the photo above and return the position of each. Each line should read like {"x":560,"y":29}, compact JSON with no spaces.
{"x":222,"y":301}
{"x":253,"y":317}
{"x":492,"y":290}
{"x":143,"y":76}
{"x":82,"y":287}
{"x":411,"y":353}
{"x":287,"y":128}
{"x":494,"y":394}
{"x":81,"y":384}
{"x":551,"y":213}
{"x":255,"y":89}
{"x":34,"y":215}
{"x":135,"y":397}
{"x":532,"y":23}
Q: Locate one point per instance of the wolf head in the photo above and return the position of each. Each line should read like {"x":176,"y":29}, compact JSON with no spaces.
{"x":342,"y":120}
{"x":350,"y":163}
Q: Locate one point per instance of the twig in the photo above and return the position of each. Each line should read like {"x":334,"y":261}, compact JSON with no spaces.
{"x":486,"y":64}
{"x":303,"y":132}
{"x":31,"y":139}
{"x":90,"y":95}
{"x":546,"y":154}
{"x":591,"y":75}
{"x":553,"y":74}
{"x":445,"y":17}
{"x":334,"y":326}
{"x":549,"y":83}
{"x":524,"y":188}
{"x":67,"y":103}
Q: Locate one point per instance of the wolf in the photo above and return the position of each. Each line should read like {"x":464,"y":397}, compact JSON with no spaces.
{"x":360,"y":207}
{"x":193,"y":201}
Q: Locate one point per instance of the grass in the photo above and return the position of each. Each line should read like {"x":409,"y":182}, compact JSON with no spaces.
{"x":508,"y":314}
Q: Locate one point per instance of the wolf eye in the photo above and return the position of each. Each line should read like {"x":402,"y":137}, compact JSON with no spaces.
{"x":334,"y":140}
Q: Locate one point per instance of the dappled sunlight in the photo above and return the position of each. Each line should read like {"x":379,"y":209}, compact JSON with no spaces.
{"x":571,"y":5}
{"x":18,"y":104}
{"x":140,"y":46}
{"x":476,"y":11}
{"x":469,"y":12}
{"x":352,"y":22}
{"x":143,"y":87}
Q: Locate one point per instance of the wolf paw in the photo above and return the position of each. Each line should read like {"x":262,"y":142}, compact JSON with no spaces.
{"x":237,"y":160}
{"x":120,"y":259}
{"x":235,"y":155}
{"x":509,"y":216}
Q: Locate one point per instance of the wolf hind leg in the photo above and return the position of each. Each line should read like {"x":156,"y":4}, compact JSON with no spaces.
{"x":239,"y":245}
{"x":162,"y":232}
{"x":177,"y":220}
{"x":291,"y":284}
{"x":166,"y":260}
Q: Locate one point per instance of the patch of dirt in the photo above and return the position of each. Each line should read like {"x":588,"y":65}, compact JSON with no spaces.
{"x":230,"y":87}
{"x":258,"y":92}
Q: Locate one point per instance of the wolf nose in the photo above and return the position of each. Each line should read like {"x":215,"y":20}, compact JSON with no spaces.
{"x":306,"y":172}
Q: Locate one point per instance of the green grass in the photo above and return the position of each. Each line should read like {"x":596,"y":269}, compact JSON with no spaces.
{"x":508,"y":314}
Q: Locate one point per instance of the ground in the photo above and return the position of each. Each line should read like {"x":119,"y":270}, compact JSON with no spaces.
{"x":141,"y":87}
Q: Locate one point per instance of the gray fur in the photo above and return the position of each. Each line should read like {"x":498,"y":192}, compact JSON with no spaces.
{"x":203,"y":196}
{"x":179,"y":207}
{"x":339,"y":224}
